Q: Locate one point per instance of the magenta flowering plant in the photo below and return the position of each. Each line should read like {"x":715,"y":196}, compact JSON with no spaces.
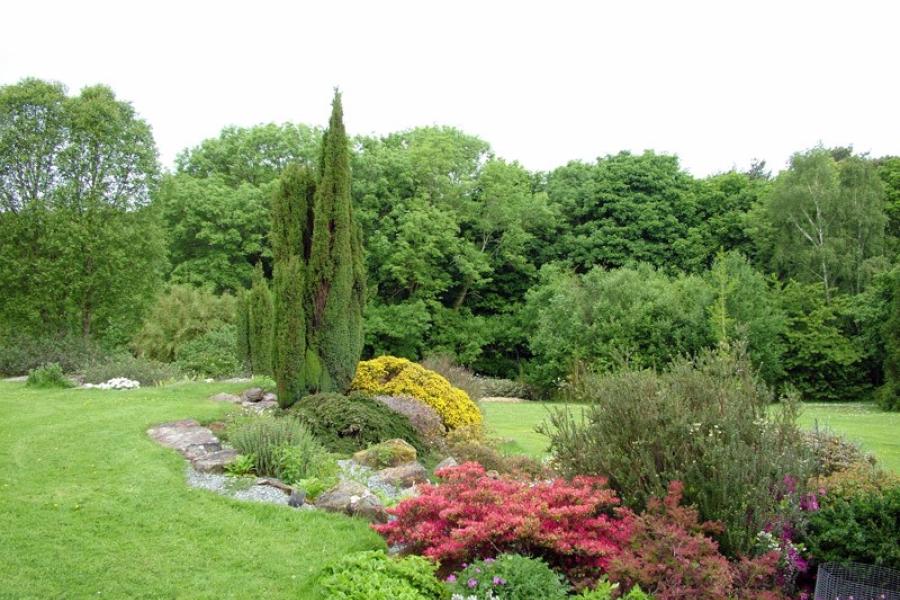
{"x":507,"y":577}
{"x":783,"y":532}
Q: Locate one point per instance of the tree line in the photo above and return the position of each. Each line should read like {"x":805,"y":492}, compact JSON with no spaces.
{"x":515,"y":273}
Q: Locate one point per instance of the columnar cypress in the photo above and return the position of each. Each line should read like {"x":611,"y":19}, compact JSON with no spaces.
{"x":319,"y":273}
{"x":243,"y":330}
{"x":261,"y":324}
{"x":889,"y":394}
{"x":336,"y":274}
{"x":291,"y":240}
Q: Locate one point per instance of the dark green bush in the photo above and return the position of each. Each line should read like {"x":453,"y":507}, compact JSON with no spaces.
{"x":704,"y":422}
{"x":211,"y":355}
{"x":48,"y":376}
{"x":123,"y":364}
{"x":21,"y":353}
{"x":346,"y":424}
{"x":864,"y":528}
{"x":509,"y":576}
{"x":281,"y":447}
{"x":375,"y":576}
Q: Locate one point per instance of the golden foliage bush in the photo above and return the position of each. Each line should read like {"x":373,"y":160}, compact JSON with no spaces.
{"x":392,"y":376}
{"x":860,"y":479}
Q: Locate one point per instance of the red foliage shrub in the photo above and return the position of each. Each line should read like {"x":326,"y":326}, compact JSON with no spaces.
{"x":758,"y":578}
{"x":575,"y":526}
{"x":671,"y":556}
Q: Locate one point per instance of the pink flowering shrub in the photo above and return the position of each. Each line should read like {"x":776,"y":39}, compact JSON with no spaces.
{"x":576,"y":526}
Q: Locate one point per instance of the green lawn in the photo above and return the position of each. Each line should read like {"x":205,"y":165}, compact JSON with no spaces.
{"x":91,"y":507}
{"x":877,"y":431}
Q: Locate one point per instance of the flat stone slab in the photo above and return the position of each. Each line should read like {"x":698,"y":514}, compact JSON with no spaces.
{"x":215,"y":462}
{"x":181,"y":435}
{"x":196,"y":443}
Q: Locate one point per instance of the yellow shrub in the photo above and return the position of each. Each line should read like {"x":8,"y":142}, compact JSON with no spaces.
{"x":861,"y":478}
{"x":392,"y":376}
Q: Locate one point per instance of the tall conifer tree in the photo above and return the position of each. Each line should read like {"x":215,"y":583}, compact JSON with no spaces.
{"x":261,"y":324}
{"x":319,"y":272}
{"x":336,"y":275}
{"x":291,"y":240}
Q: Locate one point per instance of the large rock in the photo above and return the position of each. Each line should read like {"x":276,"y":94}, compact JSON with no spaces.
{"x":252,"y":395}
{"x":259,"y":407}
{"x":270,"y":397}
{"x":391,"y":453}
{"x":180,"y":435}
{"x":369,"y":508}
{"x":215,"y":462}
{"x":446,"y":464}
{"x":403,"y":476}
{"x":196,"y":443}
{"x":195,"y":451}
{"x":341,"y":497}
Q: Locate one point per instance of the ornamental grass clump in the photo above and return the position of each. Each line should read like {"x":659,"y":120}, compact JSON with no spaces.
{"x":392,"y":376}
{"x":576,"y":526}
{"x":706,"y":422}
{"x":280,"y":447}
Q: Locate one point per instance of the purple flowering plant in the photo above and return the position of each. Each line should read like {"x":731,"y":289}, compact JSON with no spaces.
{"x":507,"y":576}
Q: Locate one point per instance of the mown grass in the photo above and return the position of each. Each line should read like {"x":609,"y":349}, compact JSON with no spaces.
{"x":91,"y":507}
{"x":878,"y":432}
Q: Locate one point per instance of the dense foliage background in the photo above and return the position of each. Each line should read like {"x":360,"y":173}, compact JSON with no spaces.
{"x":536,"y":276}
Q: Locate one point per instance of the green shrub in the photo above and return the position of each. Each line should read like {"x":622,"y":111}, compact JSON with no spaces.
{"x":509,"y":576}
{"x":704,"y":422}
{"x":22,"y":353}
{"x":373,"y":575}
{"x":305,"y":460}
{"x":471,"y":444}
{"x":123,"y":364}
{"x":265,"y":437}
{"x":211,"y":355}
{"x":241,"y":466}
{"x":604,"y":590}
{"x":49,"y":375}
{"x":864,"y":529}
{"x":181,"y":314}
{"x":346,"y":424}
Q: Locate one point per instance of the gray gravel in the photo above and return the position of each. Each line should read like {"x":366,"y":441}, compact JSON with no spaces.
{"x":239,"y":488}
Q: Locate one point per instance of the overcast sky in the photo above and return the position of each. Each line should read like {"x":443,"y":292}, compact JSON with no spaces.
{"x":717,"y":83}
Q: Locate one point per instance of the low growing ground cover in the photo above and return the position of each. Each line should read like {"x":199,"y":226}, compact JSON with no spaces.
{"x":90,"y":506}
{"x":876,"y":430}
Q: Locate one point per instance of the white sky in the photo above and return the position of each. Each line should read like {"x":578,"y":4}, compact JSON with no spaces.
{"x":718,"y":83}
